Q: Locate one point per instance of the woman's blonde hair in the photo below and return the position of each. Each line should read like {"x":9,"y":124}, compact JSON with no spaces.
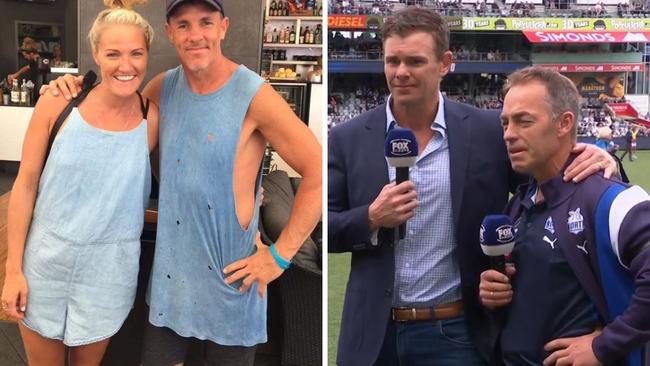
{"x":120,"y":12}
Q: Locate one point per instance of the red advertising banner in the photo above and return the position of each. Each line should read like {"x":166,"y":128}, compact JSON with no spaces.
{"x":586,"y":37}
{"x":594,"y":67}
{"x":623,"y":109}
{"x":347,"y":22}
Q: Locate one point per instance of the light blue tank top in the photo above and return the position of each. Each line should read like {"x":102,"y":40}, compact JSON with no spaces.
{"x":82,"y":253}
{"x":198,"y":231}
{"x":95,"y":185}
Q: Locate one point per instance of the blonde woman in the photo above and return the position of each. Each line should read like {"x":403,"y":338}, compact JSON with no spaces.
{"x":75,"y":222}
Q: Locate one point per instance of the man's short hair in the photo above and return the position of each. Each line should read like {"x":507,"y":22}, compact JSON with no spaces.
{"x":561,"y":93}
{"x":415,"y":19}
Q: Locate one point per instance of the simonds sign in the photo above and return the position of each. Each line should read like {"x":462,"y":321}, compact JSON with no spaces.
{"x":586,"y":37}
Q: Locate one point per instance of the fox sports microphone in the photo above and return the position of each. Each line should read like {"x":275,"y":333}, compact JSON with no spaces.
{"x":401,"y":150}
{"x":497,"y":239}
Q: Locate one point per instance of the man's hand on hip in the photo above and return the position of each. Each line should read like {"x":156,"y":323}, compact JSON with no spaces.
{"x":260,"y":267}
{"x":394,"y":205}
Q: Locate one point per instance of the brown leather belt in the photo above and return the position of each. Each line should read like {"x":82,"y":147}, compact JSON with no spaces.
{"x":439,"y":312}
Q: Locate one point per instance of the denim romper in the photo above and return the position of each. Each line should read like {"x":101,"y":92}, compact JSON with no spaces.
{"x":198,"y":230}
{"x":83,"y":247}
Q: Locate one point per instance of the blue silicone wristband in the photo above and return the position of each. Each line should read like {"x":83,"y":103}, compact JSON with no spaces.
{"x":283,"y":263}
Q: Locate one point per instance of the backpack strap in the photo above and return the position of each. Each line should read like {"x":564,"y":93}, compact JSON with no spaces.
{"x":62,"y":117}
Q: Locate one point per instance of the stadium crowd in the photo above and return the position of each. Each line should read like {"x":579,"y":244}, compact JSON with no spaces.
{"x":594,"y":115}
{"x":519,"y":8}
{"x":367,"y":46}
{"x":348,"y":103}
{"x":344,"y":105}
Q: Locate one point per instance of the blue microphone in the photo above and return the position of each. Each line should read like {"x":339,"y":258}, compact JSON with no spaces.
{"x":497,"y":239}
{"x":401,"y":149}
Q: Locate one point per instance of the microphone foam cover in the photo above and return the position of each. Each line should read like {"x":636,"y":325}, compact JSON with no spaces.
{"x":497,"y":235}
{"x":401,"y":147}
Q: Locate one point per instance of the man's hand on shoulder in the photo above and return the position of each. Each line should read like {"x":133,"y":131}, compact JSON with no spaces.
{"x":67,"y":85}
{"x":393,"y":206}
{"x":575,"y":351}
{"x":591,"y":160}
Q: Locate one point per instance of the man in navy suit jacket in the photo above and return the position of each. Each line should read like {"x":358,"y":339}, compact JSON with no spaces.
{"x":415,"y":301}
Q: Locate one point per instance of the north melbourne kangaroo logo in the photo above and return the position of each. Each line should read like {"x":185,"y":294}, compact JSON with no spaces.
{"x":575,"y":222}
{"x":551,"y":243}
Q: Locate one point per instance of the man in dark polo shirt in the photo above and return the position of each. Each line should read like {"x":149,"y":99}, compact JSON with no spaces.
{"x":579,"y":291}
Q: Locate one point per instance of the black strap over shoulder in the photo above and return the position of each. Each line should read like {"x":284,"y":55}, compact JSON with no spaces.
{"x":144,"y":105}
{"x":88,"y":85}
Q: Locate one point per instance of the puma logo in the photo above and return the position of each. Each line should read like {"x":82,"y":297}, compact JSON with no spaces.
{"x":551,"y":243}
{"x":583,"y":247}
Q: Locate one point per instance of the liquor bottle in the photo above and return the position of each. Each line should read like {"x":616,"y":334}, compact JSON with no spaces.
{"x":4,"y":89}
{"x":301,"y":36}
{"x":283,"y":35}
{"x":269,"y":36}
{"x":292,"y":35}
{"x":318,"y":35}
{"x":272,"y":8}
{"x":308,"y":38}
{"x":286,"y":8}
{"x":274,"y":36}
{"x":6,"y":95}
{"x":15,"y":93}
{"x":23,"y":94}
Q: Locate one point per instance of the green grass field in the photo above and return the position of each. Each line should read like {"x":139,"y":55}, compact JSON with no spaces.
{"x":339,"y":264}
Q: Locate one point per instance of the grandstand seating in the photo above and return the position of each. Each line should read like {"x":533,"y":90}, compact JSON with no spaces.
{"x":503,"y":8}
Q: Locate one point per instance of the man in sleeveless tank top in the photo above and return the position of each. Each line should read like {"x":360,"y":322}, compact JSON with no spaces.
{"x":209,"y":277}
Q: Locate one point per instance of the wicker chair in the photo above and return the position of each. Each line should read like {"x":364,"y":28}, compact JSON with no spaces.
{"x":299,"y":288}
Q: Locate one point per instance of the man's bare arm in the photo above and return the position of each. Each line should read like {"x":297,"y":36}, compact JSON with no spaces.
{"x":152,"y":90}
{"x":296,"y":144}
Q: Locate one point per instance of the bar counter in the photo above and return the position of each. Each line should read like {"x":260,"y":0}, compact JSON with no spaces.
{"x":13,"y":126}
